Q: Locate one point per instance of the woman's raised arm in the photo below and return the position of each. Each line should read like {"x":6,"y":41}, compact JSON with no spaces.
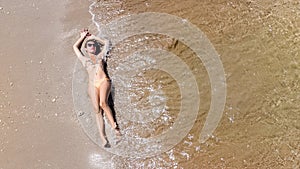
{"x":77,"y":46}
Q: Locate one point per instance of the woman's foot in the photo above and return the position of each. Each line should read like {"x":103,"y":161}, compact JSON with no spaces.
{"x":117,"y":130}
{"x":106,"y":144}
{"x":118,"y":137}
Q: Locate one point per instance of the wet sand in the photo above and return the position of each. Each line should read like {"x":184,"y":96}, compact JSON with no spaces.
{"x":258,"y":43}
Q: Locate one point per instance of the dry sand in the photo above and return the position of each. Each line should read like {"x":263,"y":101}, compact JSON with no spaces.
{"x":37,"y":124}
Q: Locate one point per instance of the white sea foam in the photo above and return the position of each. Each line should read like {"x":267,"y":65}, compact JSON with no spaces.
{"x":93,"y":16}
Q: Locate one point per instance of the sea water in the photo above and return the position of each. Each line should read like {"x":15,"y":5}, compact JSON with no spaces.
{"x":223,"y":95}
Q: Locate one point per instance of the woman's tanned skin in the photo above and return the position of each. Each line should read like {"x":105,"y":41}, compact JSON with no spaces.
{"x":99,"y":83}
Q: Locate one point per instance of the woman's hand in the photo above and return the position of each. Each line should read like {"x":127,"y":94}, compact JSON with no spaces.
{"x":84,"y":33}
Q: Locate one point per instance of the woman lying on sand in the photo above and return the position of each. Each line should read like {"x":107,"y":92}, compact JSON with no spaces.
{"x":99,"y":81}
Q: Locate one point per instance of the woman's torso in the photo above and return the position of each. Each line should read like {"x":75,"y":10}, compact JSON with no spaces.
{"x":96,"y":71}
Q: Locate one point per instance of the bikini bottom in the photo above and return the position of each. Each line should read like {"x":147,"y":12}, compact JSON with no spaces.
{"x":98,"y":82}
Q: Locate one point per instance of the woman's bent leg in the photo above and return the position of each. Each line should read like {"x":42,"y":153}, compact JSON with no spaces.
{"x":104,"y":93}
{"x":94,"y":95}
{"x":101,"y":128}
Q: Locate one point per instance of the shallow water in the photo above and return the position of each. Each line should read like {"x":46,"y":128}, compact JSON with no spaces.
{"x":258,"y":45}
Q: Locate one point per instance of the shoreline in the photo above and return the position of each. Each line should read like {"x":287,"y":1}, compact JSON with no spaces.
{"x":258,"y":45}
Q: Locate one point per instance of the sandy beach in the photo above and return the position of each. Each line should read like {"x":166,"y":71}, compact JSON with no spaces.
{"x":258,"y":45}
{"x":38,"y":126}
